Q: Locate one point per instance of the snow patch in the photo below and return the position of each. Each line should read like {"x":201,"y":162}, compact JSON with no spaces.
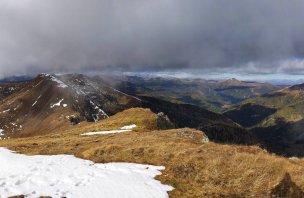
{"x":123,"y":129}
{"x":56,"y":104}
{"x":132,"y":126}
{"x":100,"y":111}
{"x":53,"y":78}
{"x":1,"y":134}
{"x":36,"y":101}
{"x":68,"y":176}
{"x":14,"y":124}
{"x":64,"y":105}
{"x":7,"y":110}
{"x":16,"y":107}
{"x":105,"y":132}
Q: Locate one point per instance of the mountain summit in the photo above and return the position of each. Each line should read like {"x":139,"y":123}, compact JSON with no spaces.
{"x":59,"y":100}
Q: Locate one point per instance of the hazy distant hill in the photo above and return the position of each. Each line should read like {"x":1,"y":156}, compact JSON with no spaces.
{"x":276,"y":118}
{"x":14,"y":79}
{"x":210,"y":94}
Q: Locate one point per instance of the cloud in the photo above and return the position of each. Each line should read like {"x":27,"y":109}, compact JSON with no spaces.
{"x":142,"y":35}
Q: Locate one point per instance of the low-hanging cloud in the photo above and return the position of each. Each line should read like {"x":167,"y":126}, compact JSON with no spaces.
{"x":139,"y":35}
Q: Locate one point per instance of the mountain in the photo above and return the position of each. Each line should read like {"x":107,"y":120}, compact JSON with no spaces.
{"x":49,"y":103}
{"x":7,"y":89}
{"x":275,"y":118}
{"x":214,"y":95}
{"x":14,"y":79}
{"x":192,"y":165}
{"x":204,"y":153}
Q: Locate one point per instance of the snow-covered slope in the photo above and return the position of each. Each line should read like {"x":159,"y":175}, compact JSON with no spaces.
{"x":68,"y":176}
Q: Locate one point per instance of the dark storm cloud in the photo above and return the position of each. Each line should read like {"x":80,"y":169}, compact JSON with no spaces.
{"x":74,"y":35}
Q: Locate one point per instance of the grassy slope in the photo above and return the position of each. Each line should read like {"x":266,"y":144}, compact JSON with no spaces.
{"x":289,"y":105}
{"x":145,"y":120}
{"x":193,"y":167}
{"x":280,"y":131}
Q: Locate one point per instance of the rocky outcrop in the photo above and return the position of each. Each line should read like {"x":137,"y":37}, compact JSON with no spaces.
{"x":287,"y":189}
{"x":163,"y":122}
{"x":196,"y":135}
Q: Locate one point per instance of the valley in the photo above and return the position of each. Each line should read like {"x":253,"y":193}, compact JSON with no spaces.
{"x":86,"y":117}
{"x":194,"y":166}
{"x":214,"y":95}
{"x":151,"y":99}
{"x":275,"y":118}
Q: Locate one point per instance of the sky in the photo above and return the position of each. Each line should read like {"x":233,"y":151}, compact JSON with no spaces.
{"x":255,"y":37}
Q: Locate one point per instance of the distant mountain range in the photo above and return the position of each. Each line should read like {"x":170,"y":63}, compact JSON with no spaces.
{"x":16,"y":79}
{"x":228,"y":111}
{"x":205,"y":153}
{"x":49,"y":102}
{"x":215,"y":95}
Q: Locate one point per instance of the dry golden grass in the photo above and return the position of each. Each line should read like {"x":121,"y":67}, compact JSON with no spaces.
{"x":193,"y":168}
{"x":145,"y":120}
{"x":57,"y":122}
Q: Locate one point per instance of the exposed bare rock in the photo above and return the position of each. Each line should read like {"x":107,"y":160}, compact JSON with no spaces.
{"x":163,"y":122}
{"x":196,"y":135}
{"x":287,"y":189}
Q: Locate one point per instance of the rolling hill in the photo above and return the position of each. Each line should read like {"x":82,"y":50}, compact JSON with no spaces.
{"x":275,"y":118}
{"x":214,"y":95}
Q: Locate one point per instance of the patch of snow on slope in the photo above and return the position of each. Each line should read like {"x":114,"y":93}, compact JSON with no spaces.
{"x":17,"y":107}
{"x":36,"y":101}
{"x":100,"y":111}
{"x":64,"y":105}
{"x":56,"y":104}
{"x":6,"y":111}
{"x":132,"y":126}
{"x":105,"y":132}
{"x":1,"y":134}
{"x":123,"y":129}
{"x":53,"y":78}
{"x":11,"y":89}
{"x":68,"y":176}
